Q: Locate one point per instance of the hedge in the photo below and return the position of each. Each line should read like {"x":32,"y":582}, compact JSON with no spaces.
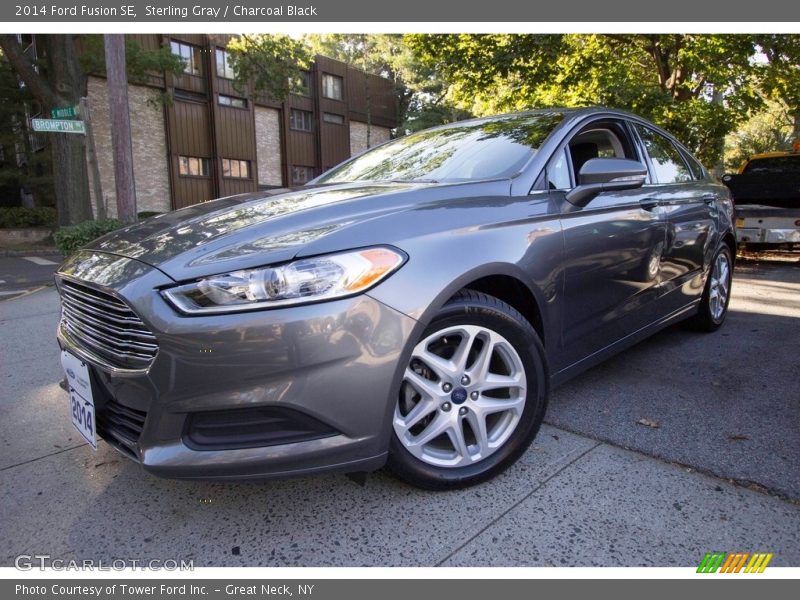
{"x":21,"y":216}
{"x":71,"y":239}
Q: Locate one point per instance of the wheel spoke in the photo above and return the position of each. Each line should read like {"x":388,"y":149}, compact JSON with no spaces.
{"x":478,"y":424}
{"x":499,"y":382}
{"x":488,"y":406}
{"x":456,"y":435}
{"x":425,"y":387}
{"x":422,"y":409}
{"x":480,"y":366}
{"x":443,"y":368}
{"x":435,"y":428}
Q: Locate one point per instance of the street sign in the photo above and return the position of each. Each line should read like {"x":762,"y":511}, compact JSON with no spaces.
{"x":58,"y":126}
{"x":65,"y":112}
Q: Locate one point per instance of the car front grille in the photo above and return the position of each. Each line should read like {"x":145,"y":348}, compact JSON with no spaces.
{"x":120,"y":426}
{"x":105,"y":326}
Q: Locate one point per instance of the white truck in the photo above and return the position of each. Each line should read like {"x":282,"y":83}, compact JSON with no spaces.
{"x":767,"y":195}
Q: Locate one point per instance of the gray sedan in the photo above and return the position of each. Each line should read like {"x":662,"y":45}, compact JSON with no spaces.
{"x":411,"y":306}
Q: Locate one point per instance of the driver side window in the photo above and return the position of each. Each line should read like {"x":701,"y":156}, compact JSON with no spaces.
{"x":598,"y":140}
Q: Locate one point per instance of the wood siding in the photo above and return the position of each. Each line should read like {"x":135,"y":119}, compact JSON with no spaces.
{"x":198,"y":126}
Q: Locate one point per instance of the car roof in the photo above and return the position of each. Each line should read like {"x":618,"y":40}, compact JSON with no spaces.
{"x":570,"y":114}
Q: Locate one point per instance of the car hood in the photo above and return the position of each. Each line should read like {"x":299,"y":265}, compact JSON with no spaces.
{"x":260,"y":228}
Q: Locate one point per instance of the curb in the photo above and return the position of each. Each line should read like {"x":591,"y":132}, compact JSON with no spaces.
{"x":47,"y":251}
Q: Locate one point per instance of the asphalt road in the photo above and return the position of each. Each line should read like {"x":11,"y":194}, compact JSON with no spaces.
{"x":21,"y":274}
{"x":573,"y":499}
{"x":727,"y":403}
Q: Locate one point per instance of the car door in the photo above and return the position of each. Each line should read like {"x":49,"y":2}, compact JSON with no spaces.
{"x":687,"y":200}
{"x":612,"y":248}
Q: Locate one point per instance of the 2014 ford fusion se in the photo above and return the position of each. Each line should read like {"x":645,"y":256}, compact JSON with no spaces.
{"x":411,"y":306}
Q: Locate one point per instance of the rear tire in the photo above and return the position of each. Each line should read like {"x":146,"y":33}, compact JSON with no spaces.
{"x":472,"y":398}
{"x":717,"y":294}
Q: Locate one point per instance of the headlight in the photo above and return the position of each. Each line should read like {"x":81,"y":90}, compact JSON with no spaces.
{"x":298,"y":282}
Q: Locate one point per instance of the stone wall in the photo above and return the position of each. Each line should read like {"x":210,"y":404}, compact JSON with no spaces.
{"x":149,"y":142}
{"x":358,"y":136}
{"x":268,"y":145}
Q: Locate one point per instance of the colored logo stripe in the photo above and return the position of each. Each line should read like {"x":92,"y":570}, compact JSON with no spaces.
{"x":711,"y":562}
{"x":758,"y":563}
{"x":734,"y":562}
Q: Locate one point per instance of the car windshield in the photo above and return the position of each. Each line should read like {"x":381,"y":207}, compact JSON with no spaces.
{"x":775,"y":165}
{"x":476,"y":150}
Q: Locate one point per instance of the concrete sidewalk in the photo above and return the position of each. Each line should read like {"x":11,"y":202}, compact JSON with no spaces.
{"x":570,"y":501}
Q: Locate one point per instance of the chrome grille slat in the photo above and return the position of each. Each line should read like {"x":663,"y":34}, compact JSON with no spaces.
{"x":82,"y":306}
{"x":106,"y":326}
{"x":112,"y":329}
{"x":104,"y":337}
{"x":101,"y":346}
{"x":94,"y":300}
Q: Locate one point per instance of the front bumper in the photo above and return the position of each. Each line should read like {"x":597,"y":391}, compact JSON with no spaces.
{"x":335,"y":362}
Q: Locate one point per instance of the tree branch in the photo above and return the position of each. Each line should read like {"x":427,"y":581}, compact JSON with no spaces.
{"x":26,"y":70}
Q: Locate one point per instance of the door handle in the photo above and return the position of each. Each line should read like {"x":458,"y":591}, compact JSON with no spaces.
{"x":649,"y":203}
{"x":709,"y":198}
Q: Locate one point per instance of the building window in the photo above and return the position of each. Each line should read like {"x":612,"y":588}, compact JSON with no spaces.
{"x":235,"y":169}
{"x":191,"y":55}
{"x":331,"y":87}
{"x":333,"y":118}
{"x":193,"y":166}
{"x":300,"y":175}
{"x":224,"y":67}
{"x":300,"y":120}
{"x":301,"y":84}
{"x":232,"y":101}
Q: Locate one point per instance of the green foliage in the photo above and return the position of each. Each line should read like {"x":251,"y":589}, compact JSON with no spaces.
{"x":146,"y":214}
{"x":767,"y":131}
{"x":71,"y":239}
{"x":21,"y":165}
{"x":700,"y":87}
{"x":141,"y":62}
{"x":268,"y":64}
{"x":19,"y":216}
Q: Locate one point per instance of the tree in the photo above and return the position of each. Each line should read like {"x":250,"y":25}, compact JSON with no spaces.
{"x":21,"y":165}
{"x":57,"y":80}
{"x":419,"y":91}
{"x":767,"y":131}
{"x":57,"y":77}
{"x":780,"y":79}
{"x":266,"y":64}
{"x":669,"y":78}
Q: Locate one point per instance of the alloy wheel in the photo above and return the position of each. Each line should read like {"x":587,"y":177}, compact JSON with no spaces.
{"x":462,"y":396}
{"x":720,"y":286}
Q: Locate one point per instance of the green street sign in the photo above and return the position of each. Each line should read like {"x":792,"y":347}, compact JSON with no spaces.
{"x":65,"y":112}
{"x":58,"y":126}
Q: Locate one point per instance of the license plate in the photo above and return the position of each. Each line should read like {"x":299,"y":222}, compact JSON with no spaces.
{"x":81,"y":403}
{"x":740,"y":222}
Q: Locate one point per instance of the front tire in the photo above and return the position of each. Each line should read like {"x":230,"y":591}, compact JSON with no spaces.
{"x":717,"y":293}
{"x":472,"y":398}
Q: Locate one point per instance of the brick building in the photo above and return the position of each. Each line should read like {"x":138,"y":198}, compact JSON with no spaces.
{"x":212,"y":141}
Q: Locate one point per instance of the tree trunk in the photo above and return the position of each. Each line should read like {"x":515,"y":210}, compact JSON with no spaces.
{"x":120,"y":127}
{"x":91,"y":155}
{"x":68,"y":150}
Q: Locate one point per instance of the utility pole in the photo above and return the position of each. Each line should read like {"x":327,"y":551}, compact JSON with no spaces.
{"x":117,"y":78}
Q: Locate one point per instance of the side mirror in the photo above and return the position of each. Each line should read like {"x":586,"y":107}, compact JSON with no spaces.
{"x":604,"y":175}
